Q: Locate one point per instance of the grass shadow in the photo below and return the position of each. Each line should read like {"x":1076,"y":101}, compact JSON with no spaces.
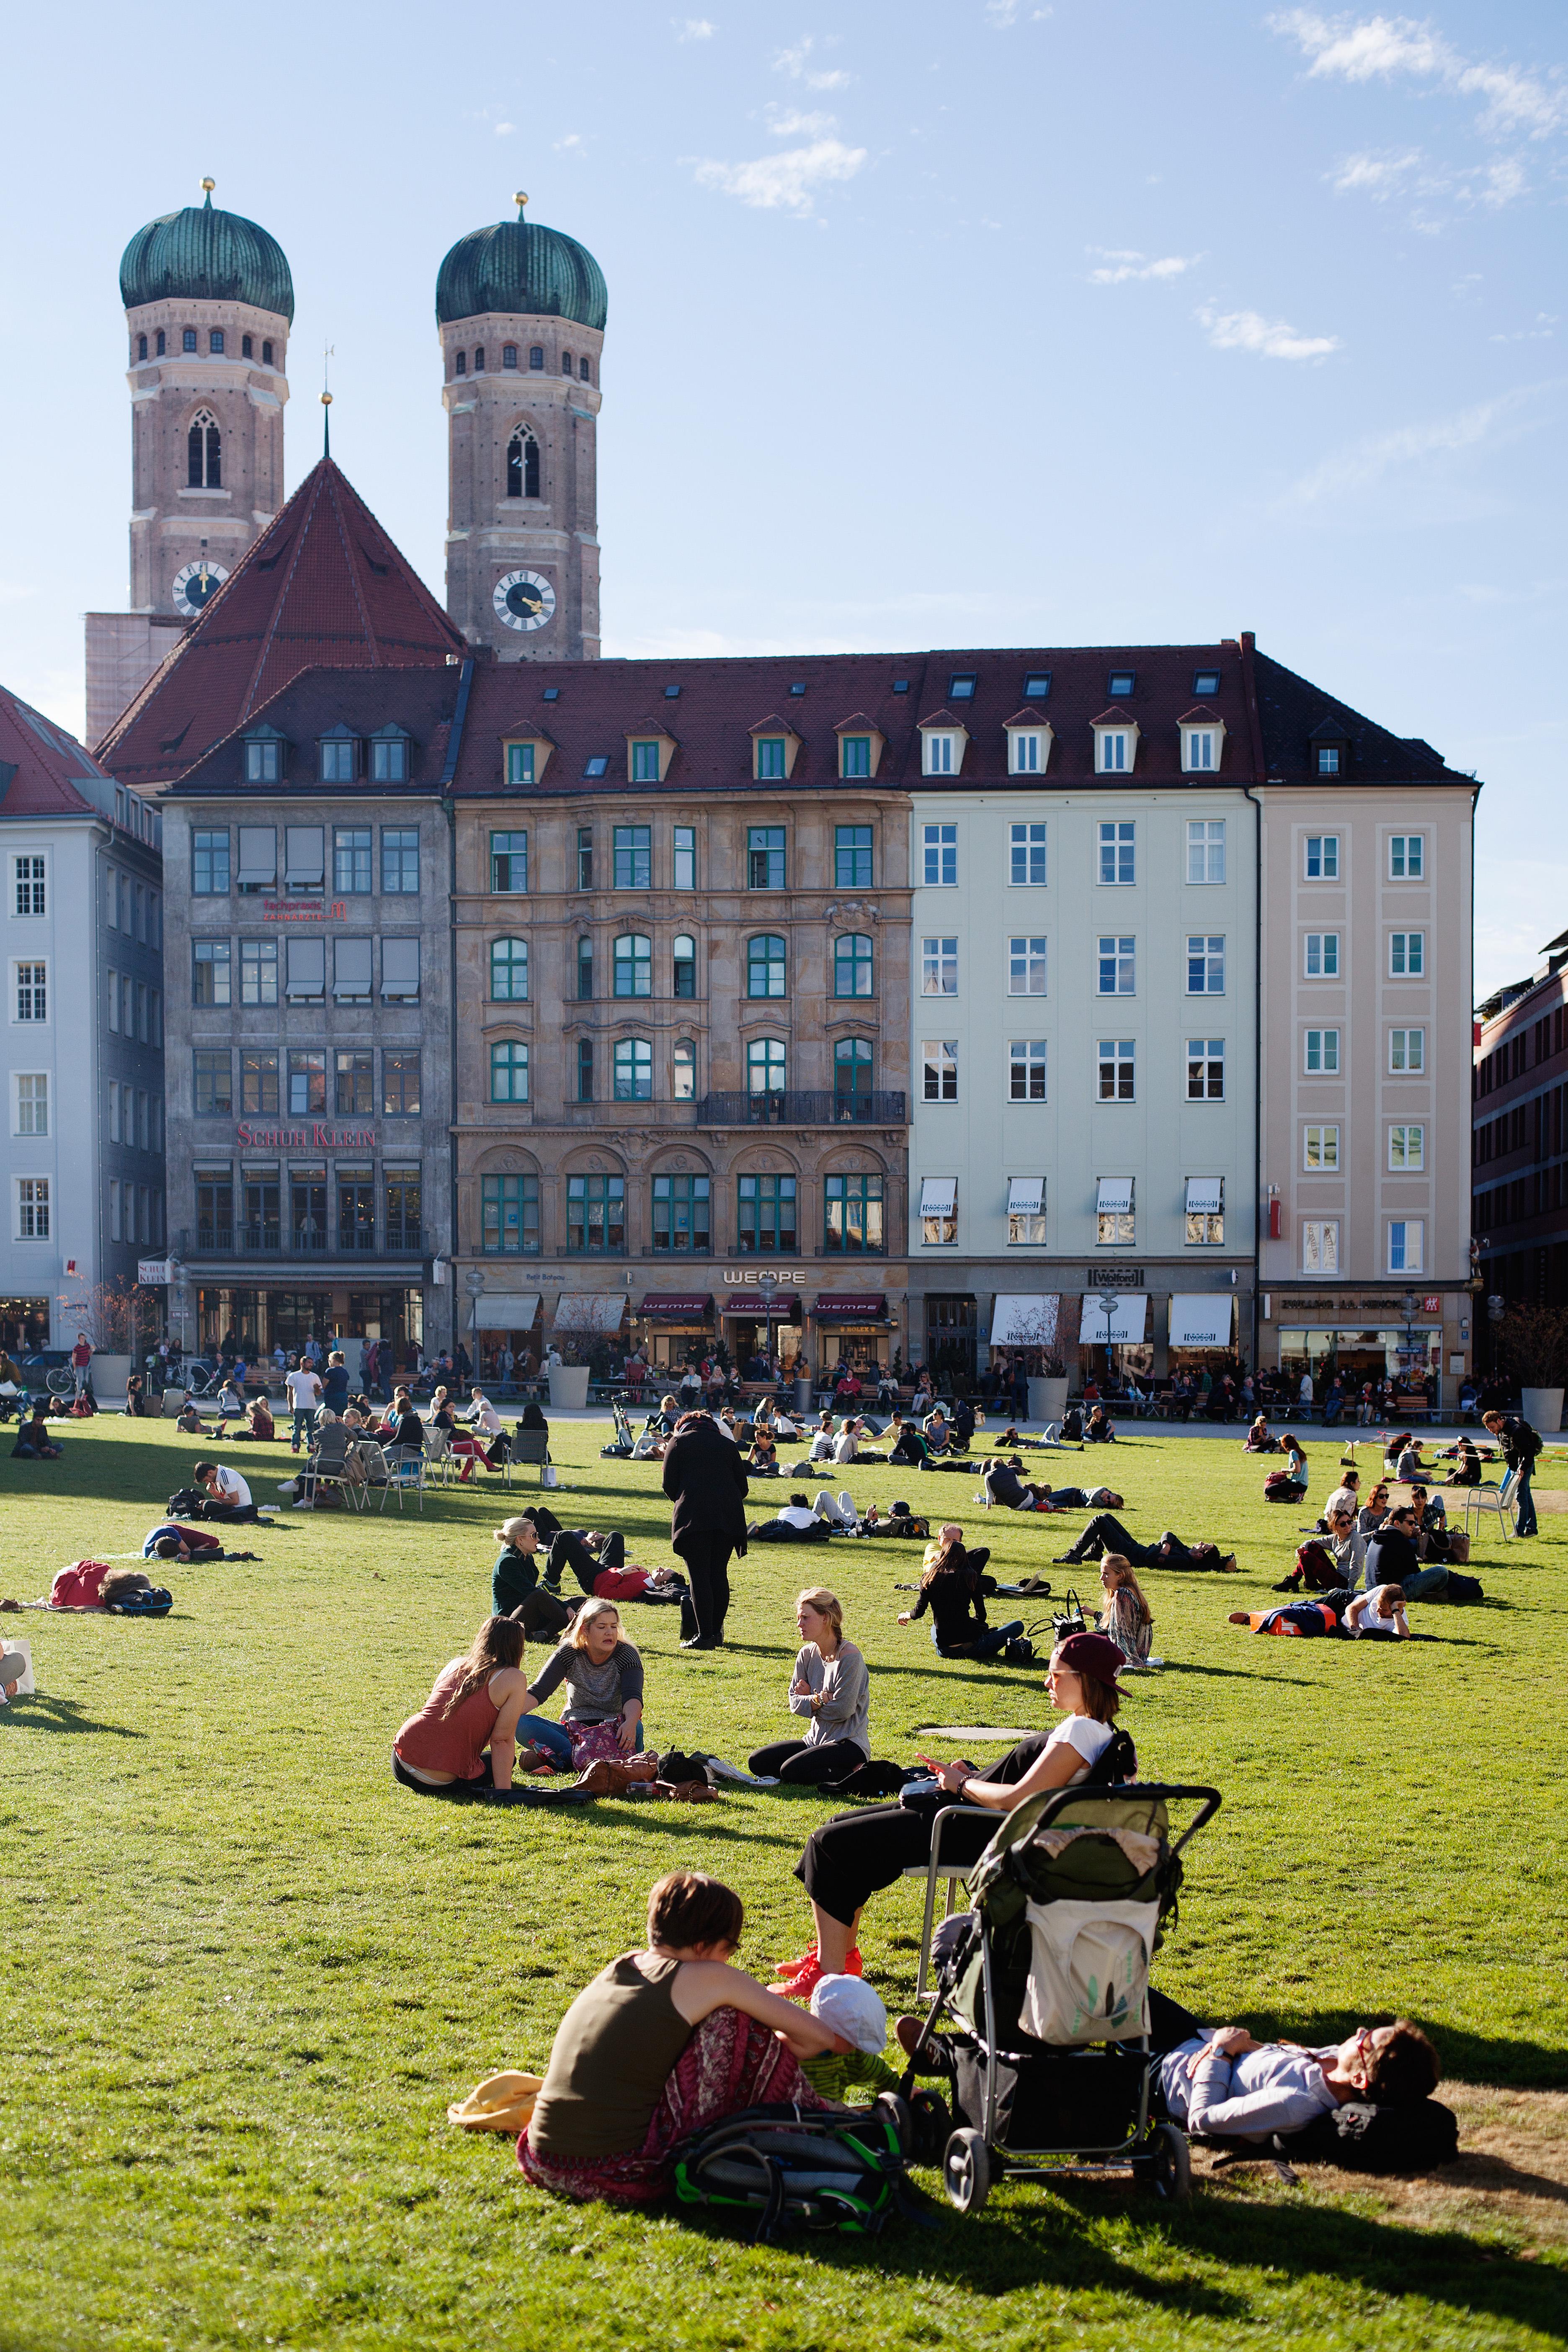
{"x":59,"y":1714}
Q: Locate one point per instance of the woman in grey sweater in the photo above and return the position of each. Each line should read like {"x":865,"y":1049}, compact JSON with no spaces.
{"x":604,"y":1681}
{"x":830,"y":1689}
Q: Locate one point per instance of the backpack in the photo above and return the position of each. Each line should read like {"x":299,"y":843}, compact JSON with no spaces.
{"x":1364,"y":2138}
{"x":797,"y":2168}
{"x":190,"y":1503}
{"x":1316,"y":1567}
{"x":1459,"y":1588}
{"x":1280,"y":1487}
{"x":152,"y":1601}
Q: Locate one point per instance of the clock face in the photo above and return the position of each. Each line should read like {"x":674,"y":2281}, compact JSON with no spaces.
{"x":524,"y":600}
{"x":196,"y":585}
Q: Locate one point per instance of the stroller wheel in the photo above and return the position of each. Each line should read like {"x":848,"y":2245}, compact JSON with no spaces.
{"x":1170,"y":2167}
{"x":967,"y":2170}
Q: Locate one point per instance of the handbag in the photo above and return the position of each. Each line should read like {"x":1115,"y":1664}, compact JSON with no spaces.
{"x":548,"y":1475}
{"x":592,"y":1742}
{"x":1069,"y":1619}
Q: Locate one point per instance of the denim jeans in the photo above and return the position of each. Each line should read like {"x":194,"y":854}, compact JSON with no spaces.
{"x":1517,"y":1487}
{"x":304,"y":1424}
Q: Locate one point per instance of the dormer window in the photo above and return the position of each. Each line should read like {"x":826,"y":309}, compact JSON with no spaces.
{"x":1327,"y":758}
{"x":770,"y":758}
{"x":526,"y":757}
{"x":1115,"y":745}
{"x":1120,"y":683}
{"x":264,"y":751}
{"x":389,"y":756}
{"x":339,"y":755}
{"x":860,"y":746}
{"x":774,"y":748}
{"x":1203,"y":739}
{"x":1029,"y":743}
{"x":943,"y":741}
{"x":1327,"y":748}
{"x":649,"y":751}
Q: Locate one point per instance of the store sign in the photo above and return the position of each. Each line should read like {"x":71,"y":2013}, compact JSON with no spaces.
{"x":316,"y":1137}
{"x":303,"y":911}
{"x":1322,"y":1302}
{"x":750,"y":1275}
{"x":1116,"y":1277}
{"x":152,"y":1273}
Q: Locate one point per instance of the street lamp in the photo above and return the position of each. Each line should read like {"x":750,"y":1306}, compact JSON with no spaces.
{"x":1107,"y":1306}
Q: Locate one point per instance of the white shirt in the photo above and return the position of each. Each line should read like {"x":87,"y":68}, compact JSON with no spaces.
{"x":795,"y":1515}
{"x":233,"y":1488}
{"x":845,"y":1449}
{"x":487,"y":1418}
{"x":1305,"y":1392}
{"x":1082,"y":1732}
{"x":304,"y":1390}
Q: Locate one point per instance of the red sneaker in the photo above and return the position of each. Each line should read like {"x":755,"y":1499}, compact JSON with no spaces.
{"x":804,"y":1983}
{"x":794,"y":1968}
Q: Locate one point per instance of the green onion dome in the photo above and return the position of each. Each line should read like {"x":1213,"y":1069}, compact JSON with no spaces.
{"x":523,"y":269}
{"x":206,"y":256}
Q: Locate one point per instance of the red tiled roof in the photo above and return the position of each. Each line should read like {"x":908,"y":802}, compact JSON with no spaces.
{"x":323,"y":585}
{"x":44,"y":771}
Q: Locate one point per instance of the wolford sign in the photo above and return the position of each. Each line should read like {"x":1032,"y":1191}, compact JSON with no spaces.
{"x":317,"y":1137}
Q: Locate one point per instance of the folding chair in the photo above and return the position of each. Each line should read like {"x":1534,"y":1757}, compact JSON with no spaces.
{"x":327,"y":1466}
{"x":931,"y":1870}
{"x":438,"y":1453}
{"x":1490,"y":1498}
{"x":530,"y":1446}
{"x":405,"y":1469}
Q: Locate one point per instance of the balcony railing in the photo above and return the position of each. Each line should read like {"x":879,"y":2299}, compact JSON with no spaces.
{"x":283,"y":1244}
{"x":789,"y":1108}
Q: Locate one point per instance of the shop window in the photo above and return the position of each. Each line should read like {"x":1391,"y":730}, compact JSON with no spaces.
{"x":680,"y":1215}
{"x":852,"y":1216}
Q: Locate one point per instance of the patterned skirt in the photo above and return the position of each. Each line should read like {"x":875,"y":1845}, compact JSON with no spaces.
{"x":731,"y":2061}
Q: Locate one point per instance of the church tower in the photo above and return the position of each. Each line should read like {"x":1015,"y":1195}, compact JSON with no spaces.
{"x":521,"y":311}
{"x":208,"y":305}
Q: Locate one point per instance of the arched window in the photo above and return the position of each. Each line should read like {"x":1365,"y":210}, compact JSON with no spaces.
{"x":247,"y":347}
{"x":508,"y":355}
{"x":266,"y":355}
{"x":584,"y":372}
{"x":633,"y":1070}
{"x":536,"y":357}
{"x":462,"y":363}
{"x":215,"y":342}
{"x":852,"y":965}
{"x":187,"y":338}
{"x":566,"y":363}
{"x":478,"y":359}
{"x":685,"y":1069}
{"x":765,"y":965}
{"x":766,"y":1066}
{"x":163,"y":345}
{"x":633,"y":965}
{"x":852,"y":1078}
{"x":141,"y":347}
{"x":204,"y":447}
{"x":508,"y":972}
{"x":685,"y":964}
{"x":522,"y":465}
{"x":509,"y":1072}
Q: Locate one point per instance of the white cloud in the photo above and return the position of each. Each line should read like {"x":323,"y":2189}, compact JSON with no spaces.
{"x":1117,"y":267}
{"x":1366,"y":461}
{"x":573,"y":139}
{"x":1515,"y":98}
{"x":784,"y":182}
{"x":1542,"y":331}
{"x":1000,"y":13}
{"x":505,"y":130}
{"x":693,"y":29}
{"x":796,"y":63}
{"x":1271,"y":339}
{"x":788,"y":122}
{"x":1375,"y":176}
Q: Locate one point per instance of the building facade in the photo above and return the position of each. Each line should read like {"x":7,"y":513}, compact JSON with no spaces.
{"x":1520,"y":1136}
{"x":83,"y":917}
{"x":208,"y":306}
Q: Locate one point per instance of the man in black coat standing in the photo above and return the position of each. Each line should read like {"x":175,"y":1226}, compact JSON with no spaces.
{"x":706,"y":1480}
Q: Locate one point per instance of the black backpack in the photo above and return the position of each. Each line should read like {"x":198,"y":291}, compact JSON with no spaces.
{"x":152,"y":1600}
{"x":1364,"y":2138}
{"x":802,"y":2169}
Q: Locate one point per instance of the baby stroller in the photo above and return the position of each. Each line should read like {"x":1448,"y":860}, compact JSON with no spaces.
{"x":1044,"y":1982}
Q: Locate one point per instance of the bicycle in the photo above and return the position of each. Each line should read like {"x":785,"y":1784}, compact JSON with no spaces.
{"x":60,"y":1382}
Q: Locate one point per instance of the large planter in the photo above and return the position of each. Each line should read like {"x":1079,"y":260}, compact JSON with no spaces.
{"x":174,"y":1403}
{"x":568,"y":1387}
{"x":108,"y":1375}
{"x":1542,"y":1408}
{"x":803,"y":1396}
{"x":1047,"y":1398}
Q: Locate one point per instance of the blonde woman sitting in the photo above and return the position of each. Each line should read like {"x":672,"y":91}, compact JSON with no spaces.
{"x":1126,"y":1617}
{"x":831,"y":1690}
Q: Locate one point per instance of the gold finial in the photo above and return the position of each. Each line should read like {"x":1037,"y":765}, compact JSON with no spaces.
{"x":209,"y":185}
{"x":519,"y":200}
{"x":326,"y":400}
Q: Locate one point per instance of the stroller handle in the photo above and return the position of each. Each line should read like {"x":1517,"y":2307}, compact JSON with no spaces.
{"x":1209,"y":1801}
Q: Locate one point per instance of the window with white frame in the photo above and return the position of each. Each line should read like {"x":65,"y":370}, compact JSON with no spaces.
{"x":939,"y":843}
{"x":1407,"y":857}
{"x":939,"y":1211}
{"x":1117,"y":1070}
{"x":32,"y":996}
{"x":1406,"y":1246}
{"x":1026,"y":965}
{"x":1322,"y":856}
{"x":1113,"y":750}
{"x":1206,"y":963}
{"x":32,"y":1208}
{"x":1321,"y":1246}
{"x":1206,"y":849}
{"x":1201,"y":743}
{"x":1407,"y":955}
{"x":1321,"y":1053}
{"x":1118,"y":851}
{"x":1205,"y":1212}
{"x":1328,"y":763}
{"x":29,"y":885}
{"x":33,"y":1103}
{"x":1027,"y":1069}
{"x":1025,"y":1211}
{"x":1322,"y":955}
{"x":1030,"y":748}
{"x":942,"y":756}
{"x":939,"y":967}
{"x":1114,"y":1215}
{"x":1206,"y":1069}
{"x":1406,"y":1151}
{"x":1320,"y":1151}
{"x":1406,"y":1051}
{"x":1026,"y":856}
{"x":1115,"y":965}
{"x":939,"y":1060}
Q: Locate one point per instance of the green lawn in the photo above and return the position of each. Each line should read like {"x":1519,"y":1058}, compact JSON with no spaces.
{"x":244,"y":1973}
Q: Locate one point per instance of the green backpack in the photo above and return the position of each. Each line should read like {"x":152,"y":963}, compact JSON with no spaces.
{"x":805,"y":2168}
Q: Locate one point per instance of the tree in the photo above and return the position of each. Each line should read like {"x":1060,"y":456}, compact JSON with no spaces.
{"x":107,"y":1313}
{"x":1531,"y":1344}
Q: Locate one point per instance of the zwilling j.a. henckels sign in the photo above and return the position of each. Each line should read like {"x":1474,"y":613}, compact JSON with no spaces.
{"x":315,"y":1136}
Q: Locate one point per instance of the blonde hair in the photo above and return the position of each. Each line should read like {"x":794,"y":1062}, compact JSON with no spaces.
{"x":589,"y":1614}
{"x":510,"y":1530}
{"x":1118,"y":1568}
{"x":940,"y":1550}
{"x":826,"y":1604}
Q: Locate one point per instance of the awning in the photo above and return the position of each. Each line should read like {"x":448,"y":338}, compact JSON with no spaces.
{"x":1026,"y":1196}
{"x":1114,"y":1198}
{"x":1129,"y":1318}
{"x":677,"y":1305}
{"x":938,"y":1194}
{"x":839,"y":1307}
{"x":1205,"y":1197}
{"x":1202,"y":1319}
{"x":590,"y":1310}
{"x":1025,"y":1319}
{"x":750,"y":1303}
{"x":507,"y":1310}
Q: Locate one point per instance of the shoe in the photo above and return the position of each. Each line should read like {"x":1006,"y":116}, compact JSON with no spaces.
{"x":794,"y":1968}
{"x":804,"y":1983}
{"x":697,"y":1643}
{"x":1230,"y":1565}
{"x":1286,"y":1584}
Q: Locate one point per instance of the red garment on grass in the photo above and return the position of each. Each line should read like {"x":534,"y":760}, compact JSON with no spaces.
{"x":79,"y":1586}
{"x":731,"y":2061}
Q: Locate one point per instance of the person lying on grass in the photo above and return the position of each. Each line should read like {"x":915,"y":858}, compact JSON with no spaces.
{"x":1106,"y":1533}
{"x":951,"y":1589}
{"x":604,"y":1679}
{"x":846,"y":1859}
{"x":830,"y":1689}
{"x":464,"y":1738}
{"x":1006,"y":1491}
{"x":170,"y":1540}
{"x":1381,"y":1611}
{"x":1219,"y":2081}
{"x":662,"y":2044}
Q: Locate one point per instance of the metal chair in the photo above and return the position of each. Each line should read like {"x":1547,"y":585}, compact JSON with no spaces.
{"x":1488,"y":1497}
{"x":405,"y":1469}
{"x":530,"y":1446}
{"x":438,"y":1453}
{"x":930,"y":1871}
{"x":327,"y":1466}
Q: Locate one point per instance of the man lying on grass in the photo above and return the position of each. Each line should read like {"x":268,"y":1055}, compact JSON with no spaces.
{"x":1219,"y":2081}
{"x":1379,"y":1612}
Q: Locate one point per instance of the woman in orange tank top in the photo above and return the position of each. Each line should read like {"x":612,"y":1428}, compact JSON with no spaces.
{"x":463,"y":1738}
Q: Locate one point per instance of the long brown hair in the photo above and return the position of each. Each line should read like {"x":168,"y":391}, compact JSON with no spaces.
{"x":1123,"y":1581}
{"x":943,"y":1555}
{"x":499,"y":1642}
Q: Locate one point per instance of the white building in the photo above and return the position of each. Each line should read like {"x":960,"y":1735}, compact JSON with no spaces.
{"x":83,"y":916}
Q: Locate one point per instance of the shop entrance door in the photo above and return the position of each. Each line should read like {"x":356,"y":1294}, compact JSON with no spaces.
{"x":952,"y":1323}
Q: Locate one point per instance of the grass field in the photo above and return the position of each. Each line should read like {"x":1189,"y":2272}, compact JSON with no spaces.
{"x":244,"y":1973}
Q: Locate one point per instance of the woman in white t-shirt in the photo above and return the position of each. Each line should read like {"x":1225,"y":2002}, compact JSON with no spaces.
{"x":847,"y":1859}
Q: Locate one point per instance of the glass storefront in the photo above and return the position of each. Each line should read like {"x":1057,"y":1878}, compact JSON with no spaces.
{"x":1365,"y":1355}
{"x":254,"y":1321}
{"x":23,"y":1325}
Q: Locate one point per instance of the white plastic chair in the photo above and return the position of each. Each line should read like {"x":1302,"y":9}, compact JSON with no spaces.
{"x":1488,"y":1497}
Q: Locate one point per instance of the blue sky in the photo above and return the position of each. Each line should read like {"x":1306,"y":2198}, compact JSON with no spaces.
{"x":979,"y":323}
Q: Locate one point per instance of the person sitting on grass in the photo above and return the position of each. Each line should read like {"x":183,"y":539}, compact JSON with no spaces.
{"x":188,"y":1421}
{"x":229,"y":1494}
{"x":230,"y":1405}
{"x":846,"y":1860}
{"x":1258,"y":1439}
{"x":515,"y":1587}
{"x":1467,"y":1469}
{"x":1006,"y":1491}
{"x":852,"y":2011}
{"x":1346,"y":1497}
{"x":1097,"y":1430}
{"x":1126,"y":1619}
{"x":1106,"y":1533}
{"x":831,"y":1688}
{"x":34,"y":1443}
{"x":604,"y":1679}
{"x":1402,"y":1456}
{"x":951,"y":1589}
{"x":1393,"y":1556}
{"x":463,"y":1741}
{"x":262,"y":1425}
{"x":1373,"y":1511}
{"x":1220,"y":2082}
{"x":762,"y":1461}
{"x":662,"y":2044}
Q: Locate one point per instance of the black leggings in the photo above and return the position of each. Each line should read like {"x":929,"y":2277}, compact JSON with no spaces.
{"x":1105,"y":1532}
{"x":800,"y":1767}
{"x":849,"y":1857}
{"x":569,"y":1551}
{"x":406,"y":1779}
